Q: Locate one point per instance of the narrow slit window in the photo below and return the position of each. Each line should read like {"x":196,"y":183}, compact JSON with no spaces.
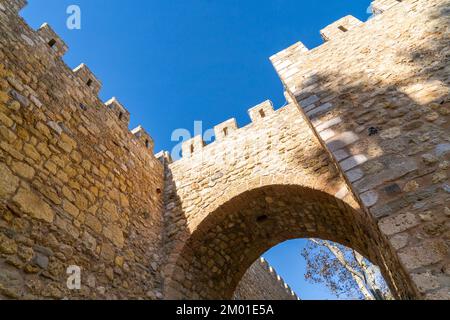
{"x":147,"y":144}
{"x":192,"y":148}
{"x":343,"y":29}
{"x":262,"y":113}
{"x":120,"y":116}
{"x":52,"y":43}
{"x":225,"y":132}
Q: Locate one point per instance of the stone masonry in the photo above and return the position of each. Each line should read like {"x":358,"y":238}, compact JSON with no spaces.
{"x":359,"y":155}
{"x":77,"y":188}
{"x":383,"y":116}
{"x":250,"y":287}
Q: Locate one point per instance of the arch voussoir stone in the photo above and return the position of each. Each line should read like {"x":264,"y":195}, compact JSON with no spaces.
{"x":261,"y":200}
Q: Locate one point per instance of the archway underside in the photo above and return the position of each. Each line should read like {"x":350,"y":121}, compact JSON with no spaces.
{"x":230,"y":239}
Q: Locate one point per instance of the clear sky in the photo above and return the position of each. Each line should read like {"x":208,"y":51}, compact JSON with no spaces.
{"x":174,"y":62}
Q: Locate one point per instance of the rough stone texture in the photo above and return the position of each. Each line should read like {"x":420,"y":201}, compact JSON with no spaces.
{"x":359,"y":155}
{"x":387,"y":81}
{"x":76,"y":187}
{"x":261,"y":282}
{"x":232,"y":200}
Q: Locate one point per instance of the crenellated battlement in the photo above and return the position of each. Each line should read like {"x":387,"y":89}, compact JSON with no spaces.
{"x":338,"y":28}
{"x":52,"y":39}
{"x":222,"y":130}
{"x":192,"y":146}
{"x":229,"y":129}
{"x":380,"y":6}
{"x":88,"y":78}
{"x":77,"y":176}
{"x":46,"y":36}
{"x":265,"y":264}
{"x":119,"y":110}
{"x":15,"y":5}
{"x":358,"y":155}
{"x":143,"y":137}
{"x":288,"y":61}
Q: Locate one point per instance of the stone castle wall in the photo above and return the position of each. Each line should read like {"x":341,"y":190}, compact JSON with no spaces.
{"x":254,"y":187}
{"x":77,"y":187}
{"x":261,"y":282}
{"x":360,"y":155}
{"x":377,"y":96}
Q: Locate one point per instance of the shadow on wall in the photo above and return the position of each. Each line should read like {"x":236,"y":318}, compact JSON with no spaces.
{"x":400,"y":119}
{"x":394,"y":117}
{"x":213,"y":256}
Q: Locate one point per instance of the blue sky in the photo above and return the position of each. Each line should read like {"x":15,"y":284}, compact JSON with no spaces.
{"x":174,"y":62}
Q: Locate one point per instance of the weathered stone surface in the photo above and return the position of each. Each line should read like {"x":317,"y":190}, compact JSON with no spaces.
{"x":355,"y":174}
{"x":399,"y":223}
{"x":396,"y":168}
{"x":391,"y":133}
{"x":8,"y":182}
{"x":260,"y":272}
{"x":424,"y":255}
{"x":41,"y":261}
{"x":93,"y":223}
{"x":342,"y":140}
{"x":442,"y":149}
{"x":425,"y":282}
{"x":353,"y":161}
{"x":399,"y":241}
{"x":401,"y":129}
{"x":369,"y":198}
{"x":143,"y":228}
{"x":31,"y":204}
{"x":23,"y":170}
{"x":7,"y":246}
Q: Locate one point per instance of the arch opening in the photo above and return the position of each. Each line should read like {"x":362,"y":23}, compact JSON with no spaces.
{"x":312,"y":269}
{"x":230,"y":239}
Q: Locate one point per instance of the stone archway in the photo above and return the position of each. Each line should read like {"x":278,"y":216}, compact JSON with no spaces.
{"x":226,"y":243}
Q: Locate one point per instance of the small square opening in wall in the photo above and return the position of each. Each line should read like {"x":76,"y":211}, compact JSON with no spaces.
{"x":343,"y":29}
{"x":89,"y":82}
{"x":262,"y":113}
{"x":52,"y":43}
{"x":262,"y":218}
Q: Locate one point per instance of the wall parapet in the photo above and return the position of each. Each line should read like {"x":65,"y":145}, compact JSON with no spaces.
{"x":288,"y":61}
{"x":274,"y":273}
{"x":15,"y":5}
{"x":380,"y":6}
{"x":122,"y":114}
{"x":228,"y":129}
{"x":82,"y":74}
{"x":341,"y":26}
{"x":85,"y":189}
{"x":377,"y":98}
{"x":52,"y":40}
{"x":88,"y":78}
